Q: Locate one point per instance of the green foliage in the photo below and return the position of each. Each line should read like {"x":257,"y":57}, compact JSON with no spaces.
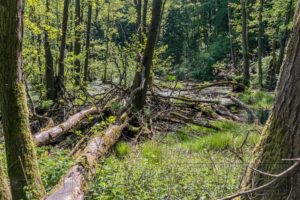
{"x":46,"y":104}
{"x":230,"y":136}
{"x":53,"y":162}
{"x":258,"y":99}
{"x":152,"y":152}
{"x":173,"y":169}
{"x":122,"y":149}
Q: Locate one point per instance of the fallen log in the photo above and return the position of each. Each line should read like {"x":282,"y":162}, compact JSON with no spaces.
{"x":221,"y":83}
{"x":251,"y":114}
{"x":72,"y":185}
{"x":186,"y":99}
{"x":50,"y":135}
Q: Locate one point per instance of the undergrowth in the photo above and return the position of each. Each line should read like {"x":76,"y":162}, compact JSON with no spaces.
{"x":192,"y":163}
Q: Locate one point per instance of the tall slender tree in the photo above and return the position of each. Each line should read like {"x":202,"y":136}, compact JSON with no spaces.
{"x":231,"y":36}
{"x":49,"y":68}
{"x":61,"y":59}
{"x":246,"y":65}
{"x":281,"y":136}
{"x":77,"y":46}
{"x":144,"y":17}
{"x":22,"y":164}
{"x":260,"y":47}
{"x":142,"y":76}
{"x":87,"y":42}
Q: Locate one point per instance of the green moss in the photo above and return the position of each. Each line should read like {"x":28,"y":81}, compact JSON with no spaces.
{"x":23,"y":171}
{"x":273,"y":146}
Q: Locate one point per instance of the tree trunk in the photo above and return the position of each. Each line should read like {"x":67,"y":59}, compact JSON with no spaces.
{"x":138,"y":25}
{"x":4,"y":188}
{"x":48,"y":136}
{"x":281,"y":136}
{"x":49,"y":71}
{"x":246,"y":71}
{"x":61,"y":64}
{"x":22,"y":164}
{"x":271,"y":76}
{"x":104,"y":79}
{"x":77,"y":46}
{"x":144,"y":18}
{"x":142,"y":76}
{"x":231,"y":36}
{"x":260,"y":47}
{"x":87,"y":43}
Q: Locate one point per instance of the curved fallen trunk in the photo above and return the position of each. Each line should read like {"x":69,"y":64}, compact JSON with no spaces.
{"x":45,"y":137}
{"x":72,"y":185}
{"x":251,"y":114}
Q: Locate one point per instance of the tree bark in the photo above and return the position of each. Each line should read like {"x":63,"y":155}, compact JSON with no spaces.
{"x":281,"y":136}
{"x":22,"y":163}
{"x":61,"y":64}
{"x":104,"y":79}
{"x":231,"y":36}
{"x":49,"y":68}
{"x":144,"y":18}
{"x":48,"y":136}
{"x":246,"y":70}
{"x":4,"y":188}
{"x":87,"y":42}
{"x":77,"y":46}
{"x":140,"y":85}
{"x":260,"y":47}
{"x":271,"y":76}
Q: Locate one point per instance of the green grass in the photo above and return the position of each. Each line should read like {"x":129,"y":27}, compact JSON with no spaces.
{"x":122,"y":149}
{"x":53,"y":163}
{"x":258,"y":99}
{"x":193,"y":163}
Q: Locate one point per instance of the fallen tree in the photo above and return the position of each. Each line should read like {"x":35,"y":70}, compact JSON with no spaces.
{"x":251,"y":114}
{"x":72,"y":185}
{"x":50,"y":135}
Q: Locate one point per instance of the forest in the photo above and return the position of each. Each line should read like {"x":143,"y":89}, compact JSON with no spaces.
{"x":149,"y":99}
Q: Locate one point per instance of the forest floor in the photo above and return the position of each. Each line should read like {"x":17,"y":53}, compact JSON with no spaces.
{"x":186,"y":162}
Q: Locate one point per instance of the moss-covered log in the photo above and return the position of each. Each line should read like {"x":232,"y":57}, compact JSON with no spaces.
{"x":281,"y":136}
{"x":22,"y":163}
{"x":4,"y":189}
{"x":73,"y":184}
{"x":48,"y":136}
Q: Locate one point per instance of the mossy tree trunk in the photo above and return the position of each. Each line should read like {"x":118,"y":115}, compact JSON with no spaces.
{"x":22,"y":164}
{"x":140,"y":95}
{"x":281,"y":135}
{"x":4,"y":189}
